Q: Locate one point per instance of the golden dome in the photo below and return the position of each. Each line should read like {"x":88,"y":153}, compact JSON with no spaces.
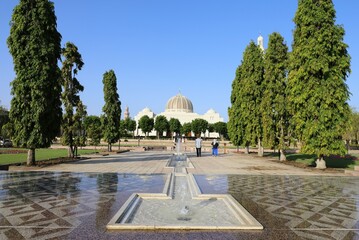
{"x":179,"y":103}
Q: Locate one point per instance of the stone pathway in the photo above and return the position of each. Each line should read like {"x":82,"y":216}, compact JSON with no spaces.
{"x":128,"y":162}
{"x":155,"y":162}
{"x":249,"y":164}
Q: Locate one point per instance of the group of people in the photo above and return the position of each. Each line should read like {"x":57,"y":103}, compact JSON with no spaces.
{"x":198,"y":144}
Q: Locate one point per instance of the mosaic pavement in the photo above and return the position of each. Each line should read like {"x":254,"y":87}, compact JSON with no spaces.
{"x":55,"y":205}
{"x":47,"y":205}
{"x":312,"y":207}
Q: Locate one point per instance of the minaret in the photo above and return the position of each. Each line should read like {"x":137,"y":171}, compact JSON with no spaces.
{"x":260,"y":42}
{"x":127,"y":113}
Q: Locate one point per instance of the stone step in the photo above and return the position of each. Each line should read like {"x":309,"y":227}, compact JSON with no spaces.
{"x":356,"y":168}
{"x":352,"y":172}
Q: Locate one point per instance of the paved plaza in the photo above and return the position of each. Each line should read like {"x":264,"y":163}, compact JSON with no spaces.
{"x":76,"y":200}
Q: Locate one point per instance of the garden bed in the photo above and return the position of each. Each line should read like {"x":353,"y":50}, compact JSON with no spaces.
{"x":12,"y":151}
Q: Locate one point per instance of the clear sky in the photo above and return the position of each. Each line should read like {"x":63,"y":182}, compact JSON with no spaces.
{"x":159,"y":47}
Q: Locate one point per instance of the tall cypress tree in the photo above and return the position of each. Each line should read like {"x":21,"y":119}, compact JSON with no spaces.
{"x":35,"y":45}
{"x":319,"y":66}
{"x":71,"y":64}
{"x":112,"y":109}
{"x":274,"y":107}
{"x":235,"y":128}
{"x":250,"y":87}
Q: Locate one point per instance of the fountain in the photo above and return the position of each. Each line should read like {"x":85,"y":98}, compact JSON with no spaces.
{"x":181,"y":205}
{"x":178,"y":152}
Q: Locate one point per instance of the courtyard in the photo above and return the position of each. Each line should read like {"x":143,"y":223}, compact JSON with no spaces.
{"x":76,"y":200}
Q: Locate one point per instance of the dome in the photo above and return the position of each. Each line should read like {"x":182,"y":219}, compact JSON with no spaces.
{"x":179,"y":103}
{"x":146,"y":110}
{"x":211,"y":111}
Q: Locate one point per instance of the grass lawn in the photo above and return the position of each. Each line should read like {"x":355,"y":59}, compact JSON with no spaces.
{"x":345,"y":162}
{"x":40,"y":154}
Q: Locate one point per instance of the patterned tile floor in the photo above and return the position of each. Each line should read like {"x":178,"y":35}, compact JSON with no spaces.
{"x":50,"y":205}
{"x":60,"y":205}
{"x":312,"y":207}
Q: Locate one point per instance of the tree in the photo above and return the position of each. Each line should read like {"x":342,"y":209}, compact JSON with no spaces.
{"x":354,"y":127}
{"x":235,"y":124}
{"x":319,"y":66}
{"x":175,"y":126}
{"x":274,"y":106}
{"x":220,"y":128}
{"x":35,"y":45}
{"x":199,"y":126}
{"x":123,"y":132}
{"x":210,"y":128}
{"x":129,"y":125}
{"x":161,"y":125}
{"x":71,"y":64}
{"x":4,"y":118}
{"x":93,"y":129}
{"x":351,"y":134}
{"x":146,"y":124}
{"x":112,"y":109}
{"x":250,"y":96}
{"x":7,"y":130}
{"x":186,"y":128}
{"x":79,"y":127}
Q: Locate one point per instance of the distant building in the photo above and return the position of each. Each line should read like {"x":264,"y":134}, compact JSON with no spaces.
{"x":126,"y":113}
{"x":260,"y":42}
{"x":181,"y":108}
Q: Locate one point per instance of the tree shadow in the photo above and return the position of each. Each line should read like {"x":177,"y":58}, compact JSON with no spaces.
{"x":335,"y":161}
{"x":271,"y":154}
{"x":332,"y":161}
{"x":300,"y":156}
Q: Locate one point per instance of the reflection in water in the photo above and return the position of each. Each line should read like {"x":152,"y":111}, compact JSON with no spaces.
{"x":107,"y":183}
{"x":31,"y":183}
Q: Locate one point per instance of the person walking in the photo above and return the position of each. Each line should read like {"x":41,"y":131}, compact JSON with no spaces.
{"x":215,"y":145}
{"x":198,"y":143}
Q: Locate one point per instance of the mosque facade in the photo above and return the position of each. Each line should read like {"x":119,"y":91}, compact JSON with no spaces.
{"x":181,"y":108}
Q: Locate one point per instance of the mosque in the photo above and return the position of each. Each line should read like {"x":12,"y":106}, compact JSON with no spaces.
{"x":181,"y":108}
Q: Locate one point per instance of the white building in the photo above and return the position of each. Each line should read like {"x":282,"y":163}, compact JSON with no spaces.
{"x":181,"y":108}
{"x":260,"y":43}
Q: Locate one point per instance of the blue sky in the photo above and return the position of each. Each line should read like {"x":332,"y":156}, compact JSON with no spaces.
{"x":159,"y":47}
